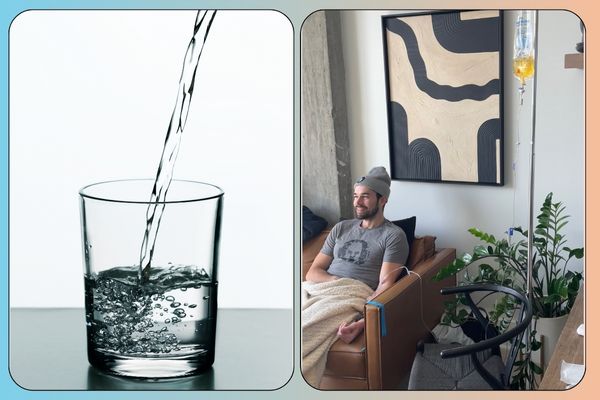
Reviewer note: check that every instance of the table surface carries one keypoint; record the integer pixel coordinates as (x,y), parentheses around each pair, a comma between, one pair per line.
(570,348)
(254,351)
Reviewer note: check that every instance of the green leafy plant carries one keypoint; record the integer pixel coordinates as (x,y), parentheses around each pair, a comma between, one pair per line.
(504,262)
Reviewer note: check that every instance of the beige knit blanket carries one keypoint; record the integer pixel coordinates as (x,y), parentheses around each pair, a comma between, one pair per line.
(325,306)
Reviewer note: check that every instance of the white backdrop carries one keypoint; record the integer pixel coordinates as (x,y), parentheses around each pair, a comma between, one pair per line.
(91,94)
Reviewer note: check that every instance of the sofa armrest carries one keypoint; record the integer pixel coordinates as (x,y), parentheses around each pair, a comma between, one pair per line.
(390,357)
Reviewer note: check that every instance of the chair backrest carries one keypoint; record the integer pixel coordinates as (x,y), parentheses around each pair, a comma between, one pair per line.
(515,334)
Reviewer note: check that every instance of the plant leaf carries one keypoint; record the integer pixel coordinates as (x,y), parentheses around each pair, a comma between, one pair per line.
(536,368)
(577,253)
(451,269)
(482,236)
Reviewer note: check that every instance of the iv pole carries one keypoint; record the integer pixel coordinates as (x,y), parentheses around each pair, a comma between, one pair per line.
(531,226)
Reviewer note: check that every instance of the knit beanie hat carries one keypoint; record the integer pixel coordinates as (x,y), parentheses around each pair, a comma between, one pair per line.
(377,180)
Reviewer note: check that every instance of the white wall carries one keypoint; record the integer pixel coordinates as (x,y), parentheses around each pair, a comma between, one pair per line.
(448,210)
(91,94)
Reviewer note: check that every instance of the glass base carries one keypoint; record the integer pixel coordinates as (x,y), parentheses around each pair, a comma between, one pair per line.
(151,367)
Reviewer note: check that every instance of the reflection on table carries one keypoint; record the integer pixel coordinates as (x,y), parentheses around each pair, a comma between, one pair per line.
(97,380)
(254,351)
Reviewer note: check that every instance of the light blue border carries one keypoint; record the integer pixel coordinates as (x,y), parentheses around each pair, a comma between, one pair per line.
(6,385)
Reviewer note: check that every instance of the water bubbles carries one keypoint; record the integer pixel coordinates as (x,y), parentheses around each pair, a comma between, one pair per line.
(179,312)
(122,316)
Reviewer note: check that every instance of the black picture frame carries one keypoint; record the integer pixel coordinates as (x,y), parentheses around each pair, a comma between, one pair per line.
(444,94)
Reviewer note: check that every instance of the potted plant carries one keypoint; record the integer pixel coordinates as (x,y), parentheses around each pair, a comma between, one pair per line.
(555,287)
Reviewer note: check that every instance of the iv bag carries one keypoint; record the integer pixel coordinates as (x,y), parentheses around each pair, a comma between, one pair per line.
(523,59)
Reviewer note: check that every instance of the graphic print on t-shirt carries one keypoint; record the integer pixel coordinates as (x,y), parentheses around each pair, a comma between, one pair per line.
(355,251)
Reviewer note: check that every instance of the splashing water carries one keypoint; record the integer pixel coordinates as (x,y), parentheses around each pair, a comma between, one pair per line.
(177,123)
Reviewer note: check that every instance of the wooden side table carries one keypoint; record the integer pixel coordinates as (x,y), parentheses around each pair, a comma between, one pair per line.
(570,348)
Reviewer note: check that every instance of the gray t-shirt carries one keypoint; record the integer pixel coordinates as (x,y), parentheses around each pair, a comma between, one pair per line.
(358,253)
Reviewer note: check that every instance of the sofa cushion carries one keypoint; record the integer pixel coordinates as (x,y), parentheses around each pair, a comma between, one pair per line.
(312,224)
(347,359)
(408,226)
(422,248)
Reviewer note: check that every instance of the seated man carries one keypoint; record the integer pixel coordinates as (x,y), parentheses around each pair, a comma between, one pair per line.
(369,249)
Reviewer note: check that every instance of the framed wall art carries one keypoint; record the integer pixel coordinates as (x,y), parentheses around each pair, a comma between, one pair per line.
(444,96)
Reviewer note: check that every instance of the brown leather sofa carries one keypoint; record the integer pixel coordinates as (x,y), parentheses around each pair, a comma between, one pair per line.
(373,361)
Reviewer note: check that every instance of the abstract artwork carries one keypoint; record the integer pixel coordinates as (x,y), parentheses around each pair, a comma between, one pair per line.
(444,96)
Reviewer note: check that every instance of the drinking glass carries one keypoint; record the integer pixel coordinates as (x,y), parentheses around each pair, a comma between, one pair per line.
(158,321)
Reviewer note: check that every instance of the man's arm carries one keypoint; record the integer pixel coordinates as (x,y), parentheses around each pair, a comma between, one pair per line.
(318,270)
(387,277)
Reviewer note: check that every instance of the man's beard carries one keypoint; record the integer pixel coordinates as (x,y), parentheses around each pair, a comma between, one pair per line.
(367,213)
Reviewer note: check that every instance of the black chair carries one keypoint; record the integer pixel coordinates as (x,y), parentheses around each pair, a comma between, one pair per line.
(476,366)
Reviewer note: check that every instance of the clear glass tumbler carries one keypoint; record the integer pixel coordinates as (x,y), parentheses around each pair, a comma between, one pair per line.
(160,322)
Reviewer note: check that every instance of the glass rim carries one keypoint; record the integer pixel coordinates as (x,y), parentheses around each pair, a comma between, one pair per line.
(112,200)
